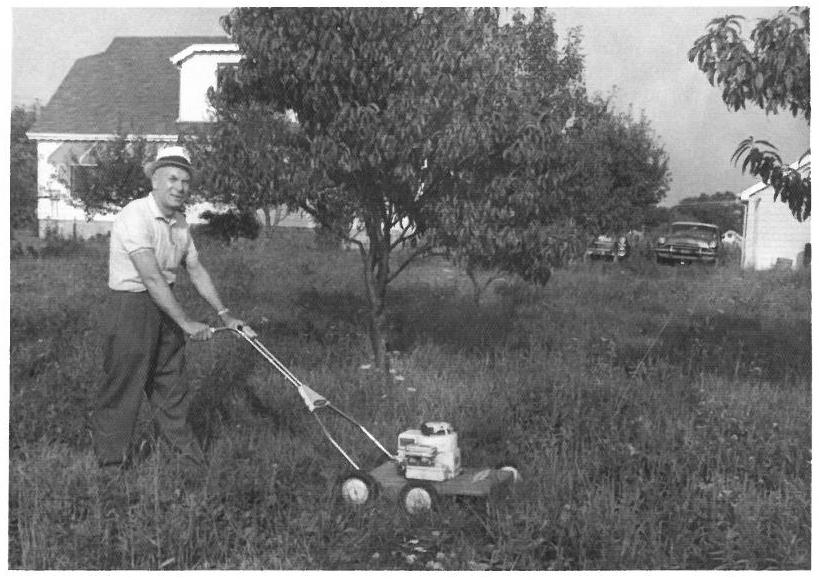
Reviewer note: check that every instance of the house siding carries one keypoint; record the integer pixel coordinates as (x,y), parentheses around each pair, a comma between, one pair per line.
(772,233)
(198,74)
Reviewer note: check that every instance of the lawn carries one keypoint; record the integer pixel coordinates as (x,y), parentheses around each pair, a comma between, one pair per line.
(660,417)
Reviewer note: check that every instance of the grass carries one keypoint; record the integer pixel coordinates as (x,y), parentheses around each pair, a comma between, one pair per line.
(660,417)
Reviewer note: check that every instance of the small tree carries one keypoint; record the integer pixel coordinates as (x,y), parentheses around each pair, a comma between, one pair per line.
(251,158)
(402,112)
(772,72)
(117,176)
(23,168)
(599,172)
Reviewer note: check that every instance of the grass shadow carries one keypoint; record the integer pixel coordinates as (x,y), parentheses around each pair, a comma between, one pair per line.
(734,347)
(416,315)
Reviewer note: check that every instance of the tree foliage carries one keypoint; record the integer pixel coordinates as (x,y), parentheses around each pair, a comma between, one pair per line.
(619,168)
(772,71)
(250,158)
(23,169)
(571,169)
(118,175)
(230,225)
(722,208)
(432,129)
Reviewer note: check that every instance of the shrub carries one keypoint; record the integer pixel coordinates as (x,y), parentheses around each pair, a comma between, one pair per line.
(231,225)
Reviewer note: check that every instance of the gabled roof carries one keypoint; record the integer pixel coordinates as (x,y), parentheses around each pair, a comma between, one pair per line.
(132,87)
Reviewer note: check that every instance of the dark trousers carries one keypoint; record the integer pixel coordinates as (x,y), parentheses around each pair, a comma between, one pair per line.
(143,352)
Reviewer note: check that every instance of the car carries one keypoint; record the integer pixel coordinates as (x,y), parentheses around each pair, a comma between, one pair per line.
(605,247)
(688,242)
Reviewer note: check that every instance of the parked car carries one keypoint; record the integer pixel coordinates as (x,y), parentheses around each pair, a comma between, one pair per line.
(731,238)
(611,248)
(689,242)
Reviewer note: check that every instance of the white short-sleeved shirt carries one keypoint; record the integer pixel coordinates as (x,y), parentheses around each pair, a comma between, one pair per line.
(139,226)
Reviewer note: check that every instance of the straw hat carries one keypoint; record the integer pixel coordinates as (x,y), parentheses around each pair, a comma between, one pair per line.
(174,156)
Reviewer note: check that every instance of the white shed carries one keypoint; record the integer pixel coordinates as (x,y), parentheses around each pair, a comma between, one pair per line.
(773,237)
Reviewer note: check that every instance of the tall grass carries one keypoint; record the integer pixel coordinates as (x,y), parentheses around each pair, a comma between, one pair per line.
(660,417)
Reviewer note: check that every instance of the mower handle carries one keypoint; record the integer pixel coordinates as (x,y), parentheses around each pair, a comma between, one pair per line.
(216,329)
(312,399)
(240,330)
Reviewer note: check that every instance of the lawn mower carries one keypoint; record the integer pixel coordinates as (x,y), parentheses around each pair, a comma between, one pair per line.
(426,465)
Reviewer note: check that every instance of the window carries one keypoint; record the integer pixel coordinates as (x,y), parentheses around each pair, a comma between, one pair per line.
(225,70)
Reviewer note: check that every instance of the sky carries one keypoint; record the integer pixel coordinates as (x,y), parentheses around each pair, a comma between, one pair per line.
(638,54)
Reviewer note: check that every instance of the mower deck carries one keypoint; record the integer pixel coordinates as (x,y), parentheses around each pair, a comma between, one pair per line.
(473,481)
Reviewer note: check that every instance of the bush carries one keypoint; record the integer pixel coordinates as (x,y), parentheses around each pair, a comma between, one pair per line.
(231,225)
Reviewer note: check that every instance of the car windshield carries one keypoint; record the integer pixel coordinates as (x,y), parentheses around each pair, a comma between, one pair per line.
(696,230)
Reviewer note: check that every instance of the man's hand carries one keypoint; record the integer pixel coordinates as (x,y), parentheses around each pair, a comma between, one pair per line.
(237,324)
(198,331)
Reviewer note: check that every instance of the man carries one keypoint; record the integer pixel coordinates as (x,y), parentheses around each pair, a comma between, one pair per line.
(145,327)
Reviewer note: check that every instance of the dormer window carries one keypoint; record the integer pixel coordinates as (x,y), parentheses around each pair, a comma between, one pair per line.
(226,70)
(200,67)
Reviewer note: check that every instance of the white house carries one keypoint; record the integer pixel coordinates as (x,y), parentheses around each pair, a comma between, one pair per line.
(773,237)
(152,87)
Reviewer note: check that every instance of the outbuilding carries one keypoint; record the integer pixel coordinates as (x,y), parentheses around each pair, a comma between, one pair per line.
(774,238)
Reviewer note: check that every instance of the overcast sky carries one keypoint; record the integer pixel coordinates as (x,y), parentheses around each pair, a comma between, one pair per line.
(640,51)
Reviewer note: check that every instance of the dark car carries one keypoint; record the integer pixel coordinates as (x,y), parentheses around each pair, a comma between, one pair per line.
(688,242)
(611,248)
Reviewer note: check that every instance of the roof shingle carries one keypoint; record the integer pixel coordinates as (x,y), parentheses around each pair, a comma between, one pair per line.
(132,87)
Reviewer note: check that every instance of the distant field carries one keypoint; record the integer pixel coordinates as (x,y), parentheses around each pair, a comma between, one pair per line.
(659,415)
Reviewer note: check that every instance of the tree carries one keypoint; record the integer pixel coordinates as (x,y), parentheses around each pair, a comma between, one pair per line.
(618,170)
(23,168)
(504,219)
(722,208)
(773,73)
(657,216)
(433,129)
(401,111)
(598,172)
(116,175)
(249,158)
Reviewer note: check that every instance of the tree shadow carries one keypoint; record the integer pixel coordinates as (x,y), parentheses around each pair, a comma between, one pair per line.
(415,315)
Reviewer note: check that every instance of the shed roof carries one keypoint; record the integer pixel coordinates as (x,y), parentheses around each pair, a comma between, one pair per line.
(132,87)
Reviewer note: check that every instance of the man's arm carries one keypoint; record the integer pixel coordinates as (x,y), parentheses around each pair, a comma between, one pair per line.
(144,261)
(204,285)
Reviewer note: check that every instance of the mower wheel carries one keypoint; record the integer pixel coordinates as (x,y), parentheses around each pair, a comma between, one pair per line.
(417,497)
(357,488)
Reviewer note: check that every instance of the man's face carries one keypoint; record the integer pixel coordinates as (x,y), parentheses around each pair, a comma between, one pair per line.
(170,189)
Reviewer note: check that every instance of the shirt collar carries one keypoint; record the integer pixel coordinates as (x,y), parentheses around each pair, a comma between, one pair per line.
(158,214)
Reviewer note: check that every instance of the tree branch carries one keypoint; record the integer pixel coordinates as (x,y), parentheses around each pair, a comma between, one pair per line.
(423,251)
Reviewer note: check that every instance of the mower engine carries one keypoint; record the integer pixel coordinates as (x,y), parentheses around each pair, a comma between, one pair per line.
(430,453)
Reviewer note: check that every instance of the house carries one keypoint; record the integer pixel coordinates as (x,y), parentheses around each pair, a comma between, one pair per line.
(773,237)
(154,87)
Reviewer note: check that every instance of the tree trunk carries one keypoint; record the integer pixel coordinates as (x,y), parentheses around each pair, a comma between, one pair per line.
(267,224)
(376,275)
(477,291)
